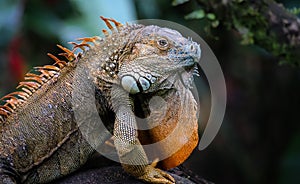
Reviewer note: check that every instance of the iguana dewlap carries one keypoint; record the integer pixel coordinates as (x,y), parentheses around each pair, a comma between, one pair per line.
(42,123)
(179,127)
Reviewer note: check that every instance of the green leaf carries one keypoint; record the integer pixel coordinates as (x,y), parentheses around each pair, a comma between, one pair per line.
(211,16)
(197,14)
(294,10)
(215,23)
(178,2)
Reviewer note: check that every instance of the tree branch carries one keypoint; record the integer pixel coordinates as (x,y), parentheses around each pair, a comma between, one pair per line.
(264,23)
(115,174)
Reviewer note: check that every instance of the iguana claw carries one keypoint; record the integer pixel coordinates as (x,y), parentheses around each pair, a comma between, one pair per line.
(155,175)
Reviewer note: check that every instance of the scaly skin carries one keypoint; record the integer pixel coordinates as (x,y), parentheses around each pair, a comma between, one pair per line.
(40,137)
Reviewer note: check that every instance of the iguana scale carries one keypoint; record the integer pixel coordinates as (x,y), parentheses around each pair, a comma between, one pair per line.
(40,138)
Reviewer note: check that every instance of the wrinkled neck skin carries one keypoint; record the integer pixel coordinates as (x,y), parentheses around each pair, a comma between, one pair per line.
(106,57)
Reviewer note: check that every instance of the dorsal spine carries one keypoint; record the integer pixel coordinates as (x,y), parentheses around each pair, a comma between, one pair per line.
(36,78)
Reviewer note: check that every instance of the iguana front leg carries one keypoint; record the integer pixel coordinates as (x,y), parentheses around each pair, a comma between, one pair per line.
(130,151)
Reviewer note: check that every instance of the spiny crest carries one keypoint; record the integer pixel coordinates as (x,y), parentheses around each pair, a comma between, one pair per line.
(35,79)
(107,22)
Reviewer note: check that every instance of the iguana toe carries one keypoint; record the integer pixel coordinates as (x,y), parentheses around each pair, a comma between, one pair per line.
(154,175)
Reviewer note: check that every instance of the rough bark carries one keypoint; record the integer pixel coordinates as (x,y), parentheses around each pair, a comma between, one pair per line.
(116,175)
(100,170)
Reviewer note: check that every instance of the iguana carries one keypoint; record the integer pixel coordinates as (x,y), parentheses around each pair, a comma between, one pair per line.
(40,138)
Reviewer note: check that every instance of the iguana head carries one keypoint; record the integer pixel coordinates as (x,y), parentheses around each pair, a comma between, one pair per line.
(158,57)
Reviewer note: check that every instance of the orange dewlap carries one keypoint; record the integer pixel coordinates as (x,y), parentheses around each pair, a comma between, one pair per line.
(179,126)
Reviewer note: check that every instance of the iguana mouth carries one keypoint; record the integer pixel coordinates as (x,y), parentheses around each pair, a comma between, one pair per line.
(189,63)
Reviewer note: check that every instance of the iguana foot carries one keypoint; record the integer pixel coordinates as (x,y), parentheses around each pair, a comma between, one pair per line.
(155,175)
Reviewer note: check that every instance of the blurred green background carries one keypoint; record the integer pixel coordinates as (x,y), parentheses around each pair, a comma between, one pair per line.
(259,141)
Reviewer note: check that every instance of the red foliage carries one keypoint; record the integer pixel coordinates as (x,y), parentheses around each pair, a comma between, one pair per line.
(16,62)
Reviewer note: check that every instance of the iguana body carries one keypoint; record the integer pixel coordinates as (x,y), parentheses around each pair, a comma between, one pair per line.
(40,138)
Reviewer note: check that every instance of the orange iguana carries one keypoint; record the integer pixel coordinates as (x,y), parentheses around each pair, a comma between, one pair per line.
(41,138)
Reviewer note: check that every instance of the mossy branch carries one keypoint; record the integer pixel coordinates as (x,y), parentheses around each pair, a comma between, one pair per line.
(264,23)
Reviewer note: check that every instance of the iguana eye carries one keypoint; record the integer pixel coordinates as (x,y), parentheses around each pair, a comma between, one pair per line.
(162,43)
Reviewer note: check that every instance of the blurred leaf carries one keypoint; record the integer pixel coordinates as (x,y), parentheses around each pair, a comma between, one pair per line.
(197,14)
(178,2)
(211,16)
(215,23)
(9,20)
(294,10)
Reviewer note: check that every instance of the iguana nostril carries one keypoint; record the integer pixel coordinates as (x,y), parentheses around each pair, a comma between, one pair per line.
(192,48)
